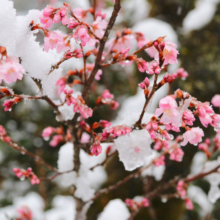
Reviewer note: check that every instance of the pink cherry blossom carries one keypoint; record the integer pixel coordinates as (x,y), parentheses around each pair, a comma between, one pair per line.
(161,144)
(46,21)
(24,213)
(80,13)
(145,83)
(98,26)
(57,139)
(152,127)
(69,98)
(142,65)
(11,70)
(47,132)
(48,11)
(153,68)
(72,23)
(85,137)
(116,131)
(83,109)
(21,173)
(193,136)
(181,189)
(204,111)
(188,117)
(176,154)
(54,40)
(159,161)
(189,204)
(107,95)
(168,107)
(169,53)
(145,202)
(96,148)
(215,121)
(181,73)
(216,101)
(61,15)
(61,83)
(81,35)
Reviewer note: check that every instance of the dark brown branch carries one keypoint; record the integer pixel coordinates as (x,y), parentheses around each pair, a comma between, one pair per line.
(97,66)
(154,89)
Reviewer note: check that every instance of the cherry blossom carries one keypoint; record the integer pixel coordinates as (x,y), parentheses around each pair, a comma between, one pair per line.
(168,107)
(81,35)
(96,148)
(169,52)
(9,103)
(11,70)
(20,173)
(47,132)
(181,189)
(193,136)
(159,161)
(189,204)
(61,15)
(204,111)
(24,213)
(145,83)
(54,40)
(83,109)
(142,65)
(176,154)
(216,101)
(57,139)
(116,131)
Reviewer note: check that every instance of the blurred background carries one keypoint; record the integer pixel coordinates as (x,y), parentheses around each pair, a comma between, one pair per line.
(194,25)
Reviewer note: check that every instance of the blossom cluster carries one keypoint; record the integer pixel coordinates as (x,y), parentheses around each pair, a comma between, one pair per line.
(22,174)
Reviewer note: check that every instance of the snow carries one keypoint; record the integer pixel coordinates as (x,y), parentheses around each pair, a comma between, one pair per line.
(200,16)
(116,209)
(156,172)
(134,148)
(196,194)
(88,180)
(32,200)
(153,28)
(7,26)
(63,209)
(197,163)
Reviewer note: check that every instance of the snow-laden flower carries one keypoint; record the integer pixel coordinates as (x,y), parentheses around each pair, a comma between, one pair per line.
(24,213)
(11,70)
(193,136)
(216,101)
(134,149)
(168,107)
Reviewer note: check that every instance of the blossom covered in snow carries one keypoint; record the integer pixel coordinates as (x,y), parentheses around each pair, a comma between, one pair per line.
(134,148)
